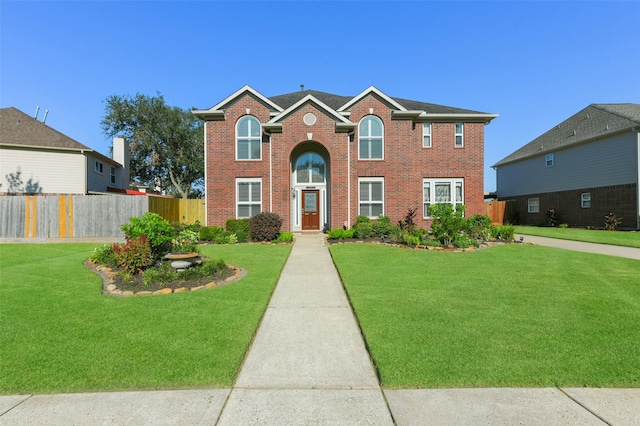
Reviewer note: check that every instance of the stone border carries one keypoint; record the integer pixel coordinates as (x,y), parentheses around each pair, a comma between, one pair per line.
(108,287)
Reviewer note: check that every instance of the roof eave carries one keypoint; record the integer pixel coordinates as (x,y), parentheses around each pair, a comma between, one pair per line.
(424,116)
(207,114)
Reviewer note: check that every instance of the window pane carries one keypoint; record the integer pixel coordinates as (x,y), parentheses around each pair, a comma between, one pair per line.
(318,173)
(254,126)
(365,209)
(376,148)
(243,191)
(243,149)
(425,212)
(376,210)
(364,191)
(255,192)
(255,150)
(376,126)
(427,141)
(243,127)
(376,191)
(458,192)
(443,192)
(244,210)
(364,148)
(458,127)
(459,140)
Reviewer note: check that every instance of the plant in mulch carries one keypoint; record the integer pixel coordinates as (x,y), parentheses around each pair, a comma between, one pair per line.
(133,256)
(185,242)
(265,226)
(157,230)
(612,221)
(448,224)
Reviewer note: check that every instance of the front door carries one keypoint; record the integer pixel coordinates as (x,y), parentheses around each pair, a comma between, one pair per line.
(310,210)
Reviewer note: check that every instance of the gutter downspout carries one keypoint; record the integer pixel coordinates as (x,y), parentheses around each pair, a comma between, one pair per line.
(637,130)
(206,198)
(348,181)
(271,174)
(86,175)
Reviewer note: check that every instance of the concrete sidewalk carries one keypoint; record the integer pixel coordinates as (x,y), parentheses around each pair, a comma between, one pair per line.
(308,365)
(607,249)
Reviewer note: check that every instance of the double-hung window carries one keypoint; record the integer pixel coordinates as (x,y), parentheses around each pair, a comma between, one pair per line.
(548,159)
(99,167)
(426,135)
(445,190)
(248,138)
(459,135)
(533,205)
(585,200)
(248,197)
(371,138)
(371,196)
(112,172)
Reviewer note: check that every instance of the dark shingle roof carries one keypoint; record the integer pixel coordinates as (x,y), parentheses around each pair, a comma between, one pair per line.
(18,128)
(337,101)
(595,121)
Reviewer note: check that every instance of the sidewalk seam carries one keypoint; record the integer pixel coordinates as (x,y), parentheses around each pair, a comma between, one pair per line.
(584,406)
(17,405)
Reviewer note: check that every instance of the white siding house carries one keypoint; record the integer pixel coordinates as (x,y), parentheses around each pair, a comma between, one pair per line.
(50,162)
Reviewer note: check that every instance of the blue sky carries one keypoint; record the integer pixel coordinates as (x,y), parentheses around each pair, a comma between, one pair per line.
(534,63)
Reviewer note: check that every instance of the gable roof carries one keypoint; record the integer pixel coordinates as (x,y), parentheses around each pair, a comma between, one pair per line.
(341,122)
(595,121)
(20,129)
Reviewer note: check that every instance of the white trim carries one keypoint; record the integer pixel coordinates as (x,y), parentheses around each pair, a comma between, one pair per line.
(206,177)
(372,89)
(371,180)
(461,134)
(529,205)
(430,134)
(348,181)
(237,93)
(270,174)
(547,157)
(313,99)
(453,184)
(237,201)
(584,198)
(444,117)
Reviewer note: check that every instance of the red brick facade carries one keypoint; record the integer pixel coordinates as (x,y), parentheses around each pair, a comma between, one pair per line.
(404,165)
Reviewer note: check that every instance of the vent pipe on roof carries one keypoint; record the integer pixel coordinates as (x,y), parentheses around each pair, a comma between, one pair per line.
(46,111)
(37,109)
(302,87)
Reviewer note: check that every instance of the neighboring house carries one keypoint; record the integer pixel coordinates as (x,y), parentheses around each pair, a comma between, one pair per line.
(584,168)
(50,162)
(318,160)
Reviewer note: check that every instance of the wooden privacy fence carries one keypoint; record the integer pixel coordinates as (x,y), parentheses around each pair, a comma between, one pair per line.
(78,216)
(499,211)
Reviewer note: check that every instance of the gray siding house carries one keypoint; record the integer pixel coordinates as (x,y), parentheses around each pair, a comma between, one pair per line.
(584,168)
(50,162)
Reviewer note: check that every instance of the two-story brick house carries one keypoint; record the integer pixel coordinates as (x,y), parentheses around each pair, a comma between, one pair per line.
(319,160)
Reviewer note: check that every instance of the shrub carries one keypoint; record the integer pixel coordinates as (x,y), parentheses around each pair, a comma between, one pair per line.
(462,241)
(105,255)
(210,233)
(226,237)
(552,217)
(563,225)
(447,223)
(182,226)
(503,232)
(362,219)
(340,234)
(409,239)
(479,227)
(241,236)
(382,226)
(234,225)
(185,242)
(362,230)
(612,221)
(157,230)
(133,256)
(429,242)
(407,224)
(265,226)
(285,237)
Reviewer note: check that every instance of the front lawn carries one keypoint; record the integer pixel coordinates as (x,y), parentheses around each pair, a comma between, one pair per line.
(58,333)
(616,238)
(512,315)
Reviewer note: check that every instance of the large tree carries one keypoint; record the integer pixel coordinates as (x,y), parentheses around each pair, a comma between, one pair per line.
(165,143)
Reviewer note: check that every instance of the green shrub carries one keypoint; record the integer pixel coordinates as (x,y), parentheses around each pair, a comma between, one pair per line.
(226,237)
(182,226)
(158,231)
(210,233)
(362,219)
(105,255)
(410,240)
(503,232)
(285,237)
(447,223)
(462,241)
(479,227)
(382,226)
(186,241)
(234,225)
(362,230)
(340,234)
(429,242)
(265,226)
(241,236)
(563,225)
(133,256)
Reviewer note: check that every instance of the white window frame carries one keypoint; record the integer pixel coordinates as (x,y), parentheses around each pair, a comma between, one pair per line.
(430,183)
(98,167)
(427,130)
(251,202)
(369,136)
(549,160)
(370,202)
(460,135)
(533,205)
(251,139)
(112,174)
(585,200)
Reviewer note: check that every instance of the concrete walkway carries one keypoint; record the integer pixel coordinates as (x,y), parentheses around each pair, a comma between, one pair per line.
(619,251)
(309,365)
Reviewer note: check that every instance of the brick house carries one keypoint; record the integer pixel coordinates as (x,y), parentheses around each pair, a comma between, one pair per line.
(585,167)
(318,160)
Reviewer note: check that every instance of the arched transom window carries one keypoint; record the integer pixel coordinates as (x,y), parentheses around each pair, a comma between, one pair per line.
(310,168)
(371,138)
(248,139)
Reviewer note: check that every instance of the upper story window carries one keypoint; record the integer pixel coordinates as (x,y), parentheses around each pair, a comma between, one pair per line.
(310,168)
(248,139)
(459,135)
(371,139)
(548,159)
(112,172)
(426,135)
(99,167)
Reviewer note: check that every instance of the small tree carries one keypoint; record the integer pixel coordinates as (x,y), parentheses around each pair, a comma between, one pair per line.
(448,224)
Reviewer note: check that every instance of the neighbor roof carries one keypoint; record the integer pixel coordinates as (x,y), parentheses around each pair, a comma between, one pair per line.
(21,129)
(595,121)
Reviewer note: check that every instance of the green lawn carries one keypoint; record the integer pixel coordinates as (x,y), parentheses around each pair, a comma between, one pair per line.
(58,333)
(616,238)
(512,315)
